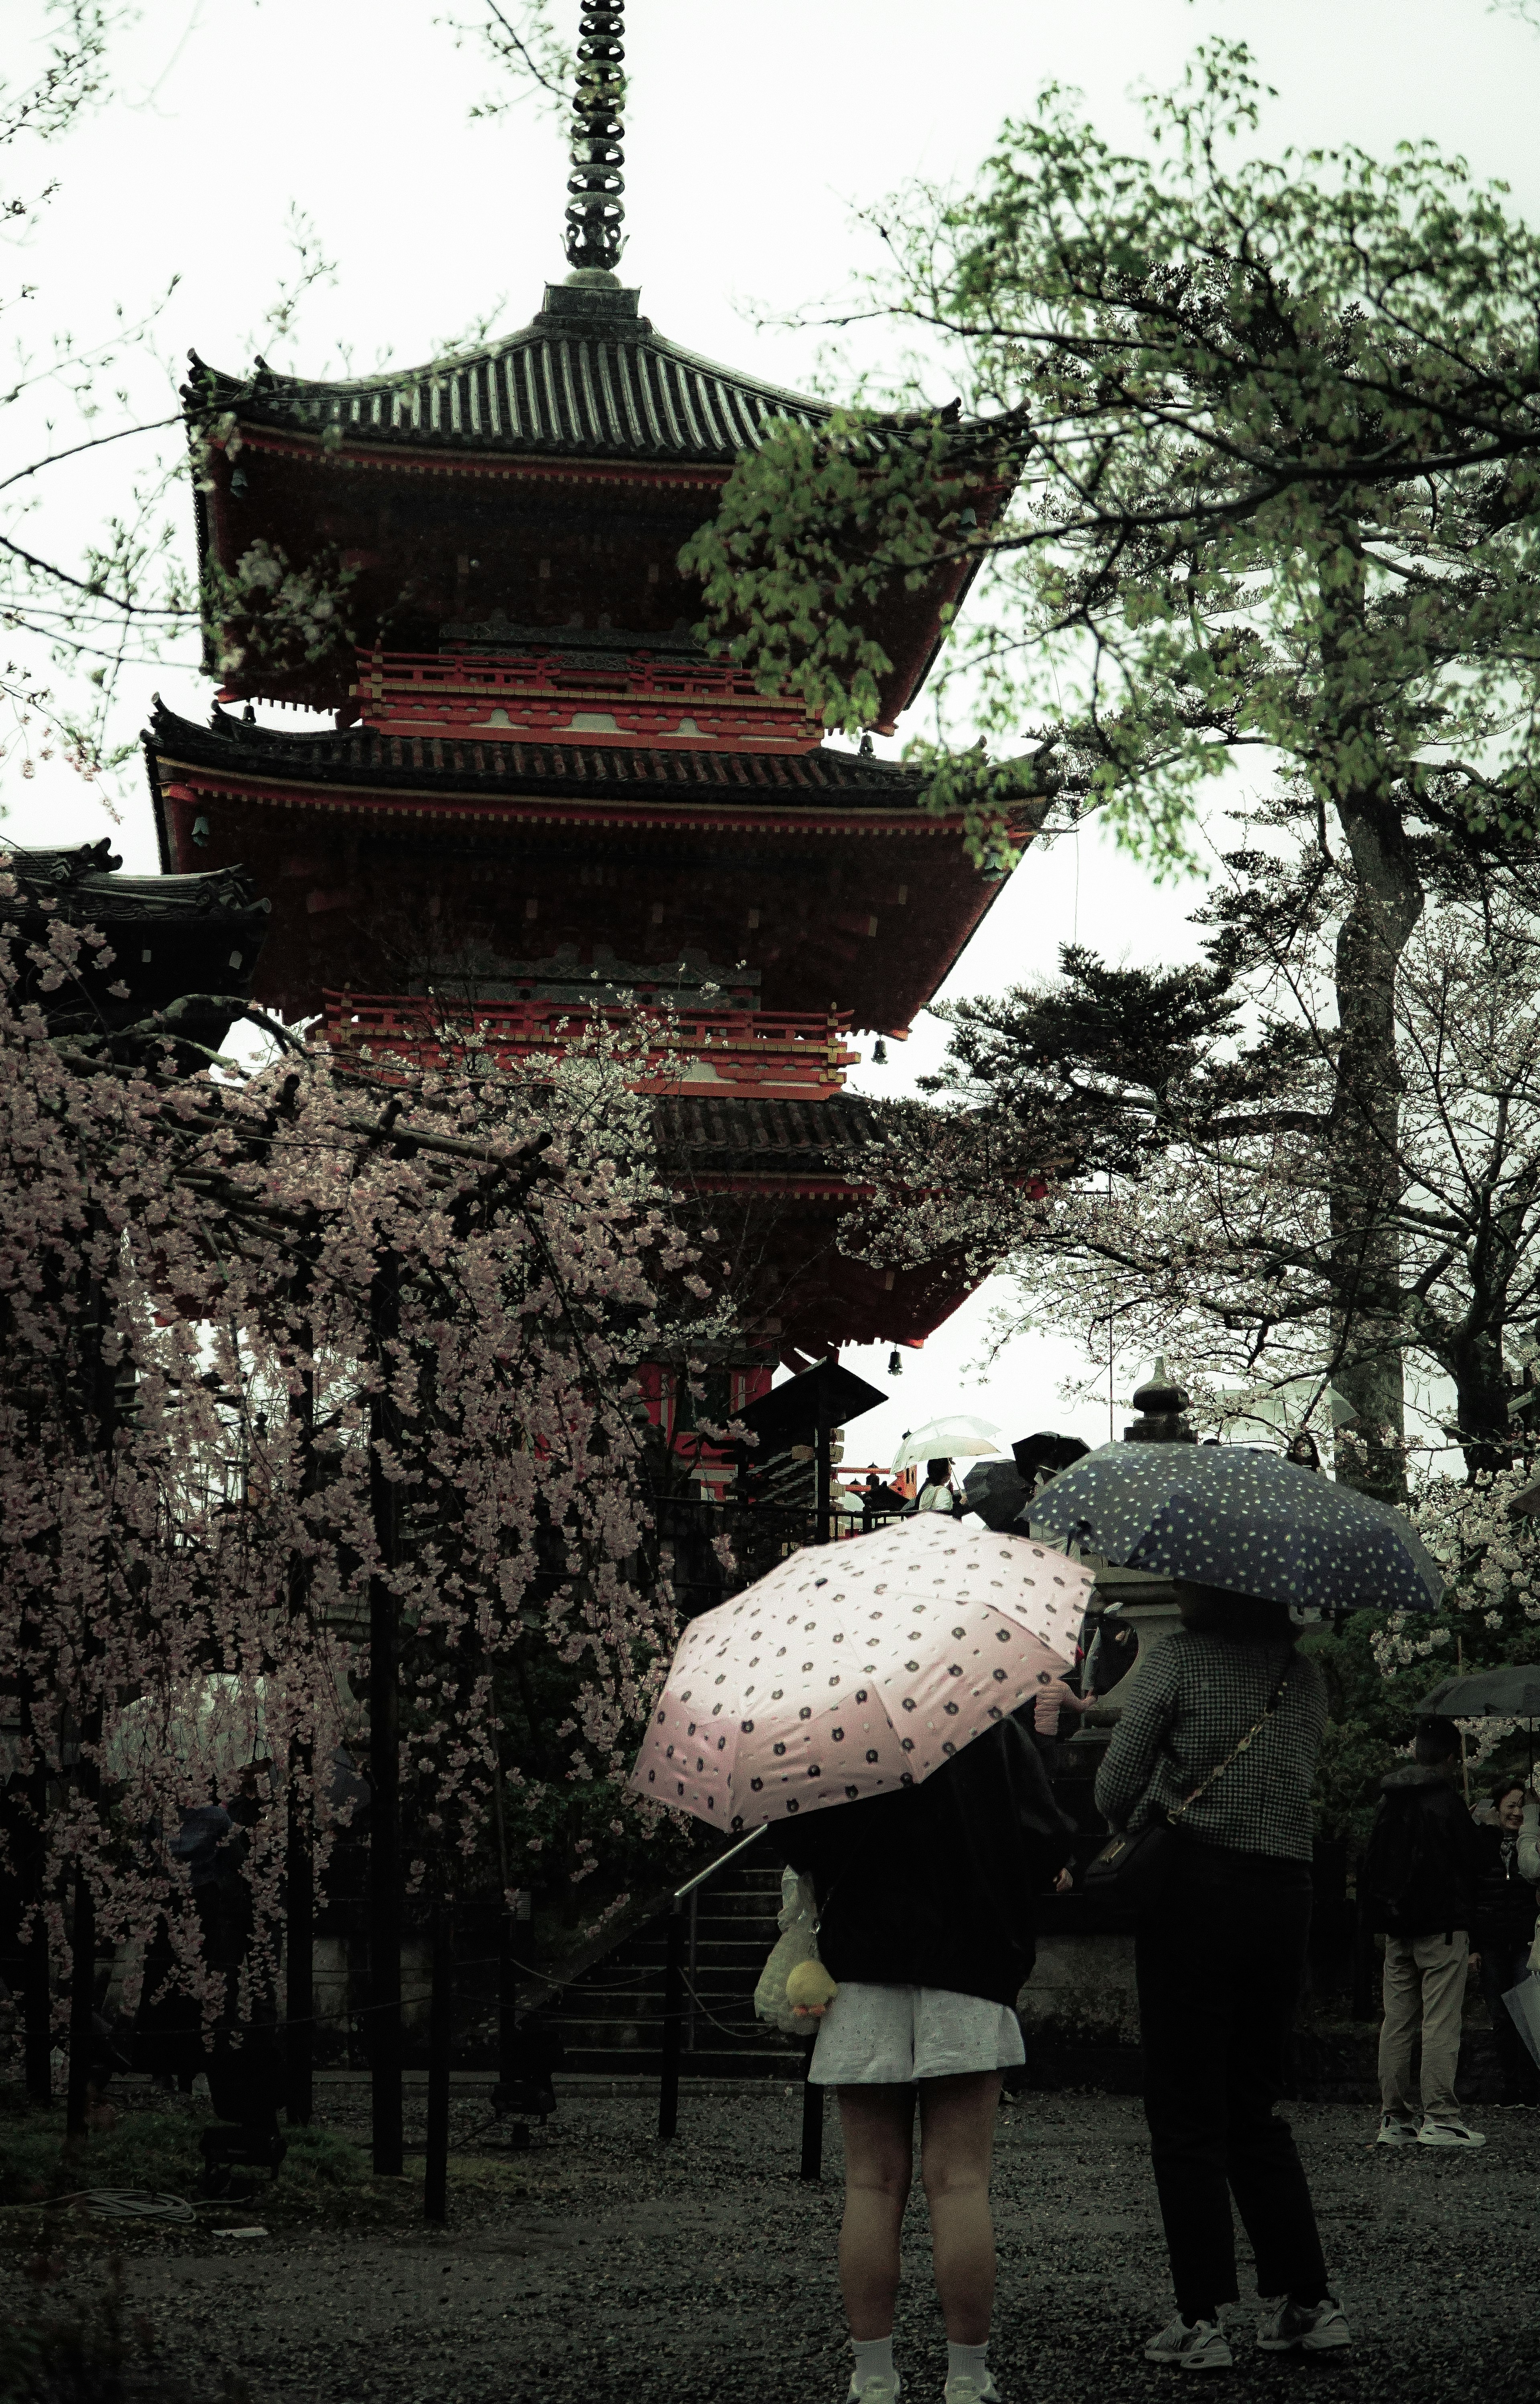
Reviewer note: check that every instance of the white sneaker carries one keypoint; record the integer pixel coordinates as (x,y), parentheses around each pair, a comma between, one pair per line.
(1316,2328)
(1394,2130)
(1195,2345)
(879,2390)
(964,2389)
(1449,2133)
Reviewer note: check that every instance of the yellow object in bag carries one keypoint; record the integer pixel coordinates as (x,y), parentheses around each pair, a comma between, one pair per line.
(810,1991)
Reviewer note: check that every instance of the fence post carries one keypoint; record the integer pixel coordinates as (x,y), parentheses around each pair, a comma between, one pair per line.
(436,2183)
(507,1998)
(385,1704)
(673,2012)
(813,2123)
(694,1985)
(299,1946)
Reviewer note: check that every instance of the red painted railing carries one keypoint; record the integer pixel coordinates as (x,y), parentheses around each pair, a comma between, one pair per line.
(542,697)
(789,1054)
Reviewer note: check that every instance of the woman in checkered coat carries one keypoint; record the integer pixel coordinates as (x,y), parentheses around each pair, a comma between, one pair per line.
(1220,1958)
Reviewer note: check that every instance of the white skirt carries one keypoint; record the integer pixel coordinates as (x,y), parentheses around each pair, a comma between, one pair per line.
(889,2037)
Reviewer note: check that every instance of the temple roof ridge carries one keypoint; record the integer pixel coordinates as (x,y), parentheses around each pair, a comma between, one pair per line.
(588,373)
(359,755)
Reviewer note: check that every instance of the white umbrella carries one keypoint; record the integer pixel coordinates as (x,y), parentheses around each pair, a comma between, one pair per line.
(211,1717)
(1280,1405)
(960,1436)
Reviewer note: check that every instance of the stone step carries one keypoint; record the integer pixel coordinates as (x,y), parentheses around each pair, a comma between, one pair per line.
(611,2019)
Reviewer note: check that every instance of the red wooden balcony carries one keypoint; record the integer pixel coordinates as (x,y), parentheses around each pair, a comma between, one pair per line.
(548,697)
(794,1054)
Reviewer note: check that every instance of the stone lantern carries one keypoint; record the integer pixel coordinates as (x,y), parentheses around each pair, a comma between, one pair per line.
(1162,1406)
(1144,1602)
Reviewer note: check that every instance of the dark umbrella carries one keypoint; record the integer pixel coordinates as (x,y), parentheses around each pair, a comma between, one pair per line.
(1248,1521)
(1510,1692)
(997,1491)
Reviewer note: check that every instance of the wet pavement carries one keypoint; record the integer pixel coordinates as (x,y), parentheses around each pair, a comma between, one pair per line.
(601,2268)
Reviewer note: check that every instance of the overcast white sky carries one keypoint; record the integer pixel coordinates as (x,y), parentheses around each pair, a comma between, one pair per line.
(753,136)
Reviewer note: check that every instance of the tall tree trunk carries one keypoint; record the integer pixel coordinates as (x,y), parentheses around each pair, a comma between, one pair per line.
(1368,1331)
(1483,1399)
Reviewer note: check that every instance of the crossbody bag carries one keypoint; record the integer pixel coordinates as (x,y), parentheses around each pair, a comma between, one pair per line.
(1132,1869)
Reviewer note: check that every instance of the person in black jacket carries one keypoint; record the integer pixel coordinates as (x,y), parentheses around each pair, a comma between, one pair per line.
(1418,1883)
(1220,1732)
(1503,1933)
(926,1904)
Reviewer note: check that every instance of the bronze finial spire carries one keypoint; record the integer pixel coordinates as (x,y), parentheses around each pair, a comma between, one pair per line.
(595,209)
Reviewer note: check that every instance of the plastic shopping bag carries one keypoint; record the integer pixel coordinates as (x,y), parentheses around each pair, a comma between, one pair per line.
(797,1942)
(1523,2003)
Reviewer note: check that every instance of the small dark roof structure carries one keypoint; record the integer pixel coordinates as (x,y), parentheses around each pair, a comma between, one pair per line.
(168,937)
(825,1395)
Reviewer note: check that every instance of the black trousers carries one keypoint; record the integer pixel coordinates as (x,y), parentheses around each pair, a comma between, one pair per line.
(1502,1966)
(1220,1960)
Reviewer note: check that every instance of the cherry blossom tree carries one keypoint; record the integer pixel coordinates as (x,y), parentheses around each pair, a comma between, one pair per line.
(318,1382)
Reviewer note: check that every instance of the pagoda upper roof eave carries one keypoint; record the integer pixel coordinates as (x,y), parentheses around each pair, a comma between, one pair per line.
(516,813)
(824,794)
(595,381)
(588,381)
(657,473)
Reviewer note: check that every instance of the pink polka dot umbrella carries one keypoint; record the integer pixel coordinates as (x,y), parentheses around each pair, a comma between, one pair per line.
(855,1668)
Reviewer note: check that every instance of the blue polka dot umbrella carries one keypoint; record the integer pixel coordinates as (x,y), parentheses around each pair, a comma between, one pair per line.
(1248,1521)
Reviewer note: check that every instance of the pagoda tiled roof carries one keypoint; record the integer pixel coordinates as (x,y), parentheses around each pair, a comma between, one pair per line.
(587,377)
(362,757)
(825,1137)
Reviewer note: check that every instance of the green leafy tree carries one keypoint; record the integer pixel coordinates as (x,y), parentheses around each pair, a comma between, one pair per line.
(1190,1112)
(1248,471)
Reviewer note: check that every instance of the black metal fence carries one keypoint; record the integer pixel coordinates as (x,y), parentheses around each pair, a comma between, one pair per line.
(716,1549)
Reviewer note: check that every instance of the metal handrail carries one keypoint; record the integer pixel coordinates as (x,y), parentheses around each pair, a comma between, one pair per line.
(719,1863)
(675,1980)
(674,1985)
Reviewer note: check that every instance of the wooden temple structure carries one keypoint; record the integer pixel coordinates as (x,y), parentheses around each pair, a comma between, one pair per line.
(539,790)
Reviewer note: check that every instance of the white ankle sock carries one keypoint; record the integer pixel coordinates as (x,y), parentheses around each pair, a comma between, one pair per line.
(873,2359)
(968,2362)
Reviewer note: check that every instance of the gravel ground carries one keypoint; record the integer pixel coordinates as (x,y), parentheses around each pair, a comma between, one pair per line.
(600,2268)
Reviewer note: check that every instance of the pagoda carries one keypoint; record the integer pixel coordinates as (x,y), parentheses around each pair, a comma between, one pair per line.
(540,791)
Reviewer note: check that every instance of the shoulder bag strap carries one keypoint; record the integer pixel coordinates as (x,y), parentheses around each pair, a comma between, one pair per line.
(1254,1730)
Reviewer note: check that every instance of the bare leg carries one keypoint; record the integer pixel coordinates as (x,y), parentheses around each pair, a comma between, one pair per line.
(878,2130)
(956,2140)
